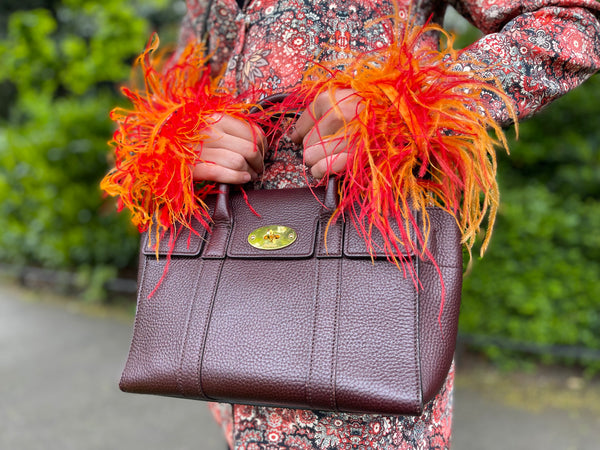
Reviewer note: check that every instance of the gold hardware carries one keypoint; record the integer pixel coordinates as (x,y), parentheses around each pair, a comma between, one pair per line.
(272,237)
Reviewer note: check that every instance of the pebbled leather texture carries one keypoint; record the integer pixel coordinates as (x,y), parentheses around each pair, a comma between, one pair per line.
(307,326)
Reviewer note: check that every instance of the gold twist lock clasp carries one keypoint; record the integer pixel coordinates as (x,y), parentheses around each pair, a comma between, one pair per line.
(272,237)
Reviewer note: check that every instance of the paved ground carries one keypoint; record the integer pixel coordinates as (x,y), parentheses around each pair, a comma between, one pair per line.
(60,363)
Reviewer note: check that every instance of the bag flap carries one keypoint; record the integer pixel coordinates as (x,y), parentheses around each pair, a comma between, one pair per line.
(443,243)
(187,242)
(295,209)
(355,245)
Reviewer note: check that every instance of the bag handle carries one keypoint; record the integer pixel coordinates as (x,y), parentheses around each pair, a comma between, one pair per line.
(222,212)
(222,216)
(328,245)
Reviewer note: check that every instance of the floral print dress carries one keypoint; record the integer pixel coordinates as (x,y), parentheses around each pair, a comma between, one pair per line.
(537,49)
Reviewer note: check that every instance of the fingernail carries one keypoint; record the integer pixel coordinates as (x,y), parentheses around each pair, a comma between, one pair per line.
(292,133)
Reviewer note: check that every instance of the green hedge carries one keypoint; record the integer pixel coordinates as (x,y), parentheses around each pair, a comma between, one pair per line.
(539,281)
(60,73)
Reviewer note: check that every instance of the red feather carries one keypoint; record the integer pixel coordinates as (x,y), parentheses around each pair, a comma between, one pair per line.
(159,140)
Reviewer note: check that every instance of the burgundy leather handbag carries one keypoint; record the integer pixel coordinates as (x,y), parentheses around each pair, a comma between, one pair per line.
(259,311)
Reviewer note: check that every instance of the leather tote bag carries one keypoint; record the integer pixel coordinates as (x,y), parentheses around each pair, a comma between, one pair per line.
(260,310)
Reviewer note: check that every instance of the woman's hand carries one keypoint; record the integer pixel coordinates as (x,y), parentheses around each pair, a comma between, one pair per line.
(318,125)
(232,153)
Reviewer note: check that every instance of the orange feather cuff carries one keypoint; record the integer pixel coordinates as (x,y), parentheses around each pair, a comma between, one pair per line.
(420,137)
(159,140)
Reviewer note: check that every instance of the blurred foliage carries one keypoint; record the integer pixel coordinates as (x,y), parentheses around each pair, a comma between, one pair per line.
(539,282)
(62,62)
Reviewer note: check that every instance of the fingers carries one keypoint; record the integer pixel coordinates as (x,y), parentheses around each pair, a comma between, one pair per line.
(312,120)
(333,164)
(231,153)
(223,166)
(320,129)
(327,126)
(235,127)
(303,125)
(226,158)
(233,150)
(323,149)
(211,172)
(327,157)
(328,113)
(235,147)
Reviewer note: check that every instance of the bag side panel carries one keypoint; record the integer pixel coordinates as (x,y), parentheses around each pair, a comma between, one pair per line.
(438,331)
(155,353)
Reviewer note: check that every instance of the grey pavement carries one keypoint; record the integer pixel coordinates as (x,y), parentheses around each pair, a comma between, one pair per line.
(60,363)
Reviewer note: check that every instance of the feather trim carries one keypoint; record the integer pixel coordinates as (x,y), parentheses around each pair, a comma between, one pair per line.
(159,140)
(420,137)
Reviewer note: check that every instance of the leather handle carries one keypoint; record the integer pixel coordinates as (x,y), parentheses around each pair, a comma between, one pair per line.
(222,213)
(216,245)
(223,221)
(331,194)
(268,102)
(330,244)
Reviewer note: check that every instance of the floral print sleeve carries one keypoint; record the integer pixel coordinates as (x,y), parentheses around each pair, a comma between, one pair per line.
(537,49)
(212,22)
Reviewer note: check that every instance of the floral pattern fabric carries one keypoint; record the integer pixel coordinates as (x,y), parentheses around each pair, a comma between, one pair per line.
(537,49)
